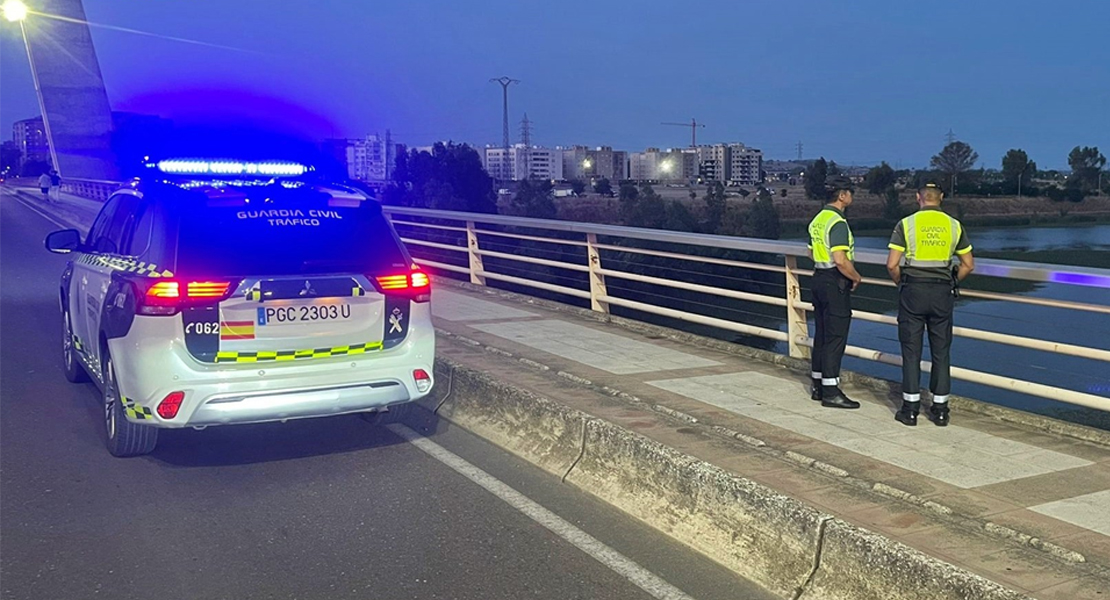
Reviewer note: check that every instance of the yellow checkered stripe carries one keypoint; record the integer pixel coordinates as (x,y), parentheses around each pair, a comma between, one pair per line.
(135,410)
(126,265)
(285,355)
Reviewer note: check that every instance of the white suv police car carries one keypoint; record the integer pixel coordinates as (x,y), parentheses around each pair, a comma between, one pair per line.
(221,292)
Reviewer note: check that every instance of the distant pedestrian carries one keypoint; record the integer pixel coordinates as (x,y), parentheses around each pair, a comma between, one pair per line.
(55,185)
(832,248)
(44,185)
(920,262)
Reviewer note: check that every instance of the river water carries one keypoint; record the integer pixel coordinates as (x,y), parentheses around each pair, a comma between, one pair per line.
(1076,245)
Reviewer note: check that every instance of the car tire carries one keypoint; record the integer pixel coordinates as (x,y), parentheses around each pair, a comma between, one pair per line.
(124,438)
(398,413)
(71,363)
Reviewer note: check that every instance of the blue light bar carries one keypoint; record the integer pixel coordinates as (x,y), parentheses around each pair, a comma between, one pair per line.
(229,167)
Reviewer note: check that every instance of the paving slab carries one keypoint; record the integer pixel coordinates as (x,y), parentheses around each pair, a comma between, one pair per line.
(453,306)
(603,350)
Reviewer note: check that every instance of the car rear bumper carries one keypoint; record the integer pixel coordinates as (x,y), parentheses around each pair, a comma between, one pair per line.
(152,362)
(226,409)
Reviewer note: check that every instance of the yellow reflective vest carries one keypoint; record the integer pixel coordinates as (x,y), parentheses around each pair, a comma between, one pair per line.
(931,238)
(819,229)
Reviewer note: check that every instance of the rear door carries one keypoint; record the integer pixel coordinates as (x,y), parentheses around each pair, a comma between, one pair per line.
(307,279)
(88,270)
(110,257)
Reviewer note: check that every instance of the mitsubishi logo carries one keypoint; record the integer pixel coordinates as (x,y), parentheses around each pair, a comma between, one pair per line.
(307,291)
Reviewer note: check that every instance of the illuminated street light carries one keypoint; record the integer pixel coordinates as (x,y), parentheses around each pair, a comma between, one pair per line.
(666,166)
(14,10)
(586,164)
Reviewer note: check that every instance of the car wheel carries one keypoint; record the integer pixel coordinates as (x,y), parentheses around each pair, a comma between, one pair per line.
(398,413)
(71,363)
(124,438)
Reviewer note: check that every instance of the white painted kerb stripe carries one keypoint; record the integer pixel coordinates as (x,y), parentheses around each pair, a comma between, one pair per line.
(622,565)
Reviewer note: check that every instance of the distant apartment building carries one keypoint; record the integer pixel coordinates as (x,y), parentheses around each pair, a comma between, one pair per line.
(521,162)
(745,165)
(29,136)
(546,163)
(665,166)
(713,162)
(575,163)
(734,164)
(581,162)
(368,159)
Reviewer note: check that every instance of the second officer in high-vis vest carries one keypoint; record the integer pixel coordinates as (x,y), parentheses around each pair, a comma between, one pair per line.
(920,262)
(832,248)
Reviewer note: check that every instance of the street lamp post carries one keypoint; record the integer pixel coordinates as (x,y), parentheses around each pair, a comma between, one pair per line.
(16,11)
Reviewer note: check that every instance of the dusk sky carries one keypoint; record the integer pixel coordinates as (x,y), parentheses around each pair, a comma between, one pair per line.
(856,82)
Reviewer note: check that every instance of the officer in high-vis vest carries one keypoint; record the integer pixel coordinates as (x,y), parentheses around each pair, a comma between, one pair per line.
(832,249)
(920,262)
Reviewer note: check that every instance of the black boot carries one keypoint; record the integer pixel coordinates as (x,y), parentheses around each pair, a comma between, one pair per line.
(815,389)
(939,413)
(907,415)
(833,397)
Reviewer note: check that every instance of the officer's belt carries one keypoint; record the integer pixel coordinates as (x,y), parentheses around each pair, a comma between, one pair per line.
(936,280)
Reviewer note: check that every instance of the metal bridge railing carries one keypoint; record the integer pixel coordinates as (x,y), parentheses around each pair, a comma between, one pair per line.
(94,189)
(463,242)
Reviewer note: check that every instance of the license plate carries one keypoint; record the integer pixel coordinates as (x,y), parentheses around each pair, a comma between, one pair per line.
(310,313)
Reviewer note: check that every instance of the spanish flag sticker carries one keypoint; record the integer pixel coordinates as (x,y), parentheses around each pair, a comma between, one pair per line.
(237,330)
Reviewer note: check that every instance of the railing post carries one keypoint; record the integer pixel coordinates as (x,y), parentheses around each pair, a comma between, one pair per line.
(796,326)
(597,279)
(475,258)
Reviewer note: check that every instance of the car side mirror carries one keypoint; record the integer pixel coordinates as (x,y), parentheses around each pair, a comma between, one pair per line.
(64,241)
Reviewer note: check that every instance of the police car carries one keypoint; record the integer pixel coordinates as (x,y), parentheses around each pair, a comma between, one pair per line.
(224,292)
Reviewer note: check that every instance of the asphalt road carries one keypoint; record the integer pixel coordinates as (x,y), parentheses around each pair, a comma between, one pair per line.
(324,508)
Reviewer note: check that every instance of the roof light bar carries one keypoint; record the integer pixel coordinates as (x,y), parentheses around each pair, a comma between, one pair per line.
(230,167)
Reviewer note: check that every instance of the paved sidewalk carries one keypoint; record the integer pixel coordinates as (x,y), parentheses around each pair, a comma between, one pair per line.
(1023,507)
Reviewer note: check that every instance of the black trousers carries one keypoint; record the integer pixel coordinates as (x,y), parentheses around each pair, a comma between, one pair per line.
(832,304)
(926,305)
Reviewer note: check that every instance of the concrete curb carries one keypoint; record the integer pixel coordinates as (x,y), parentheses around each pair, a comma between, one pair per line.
(1024,420)
(780,543)
(856,563)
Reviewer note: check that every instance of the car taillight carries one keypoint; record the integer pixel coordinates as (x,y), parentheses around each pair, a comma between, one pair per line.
(206,289)
(167,296)
(394,282)
(423,380)
(168,407)
(416,285)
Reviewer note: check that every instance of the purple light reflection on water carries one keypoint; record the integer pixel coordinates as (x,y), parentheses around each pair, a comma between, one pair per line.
(1101,281)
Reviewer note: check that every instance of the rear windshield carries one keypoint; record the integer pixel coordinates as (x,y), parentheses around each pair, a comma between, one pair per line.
(287,238)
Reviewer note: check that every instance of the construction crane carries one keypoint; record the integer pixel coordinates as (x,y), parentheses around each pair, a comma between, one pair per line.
(693,125)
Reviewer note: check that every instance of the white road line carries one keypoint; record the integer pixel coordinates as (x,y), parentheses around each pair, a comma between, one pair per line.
(622,565)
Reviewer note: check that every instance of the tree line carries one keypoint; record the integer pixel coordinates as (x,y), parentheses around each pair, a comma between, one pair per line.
(953,170)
